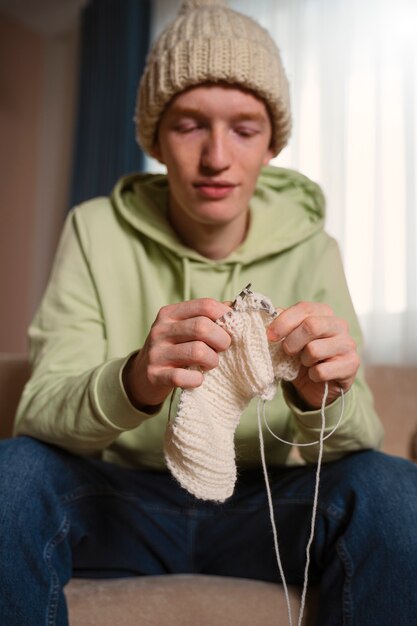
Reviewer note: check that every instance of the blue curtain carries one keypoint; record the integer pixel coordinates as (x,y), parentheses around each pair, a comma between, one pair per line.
(114,44)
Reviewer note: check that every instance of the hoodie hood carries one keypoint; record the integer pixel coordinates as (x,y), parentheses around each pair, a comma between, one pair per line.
(285,209)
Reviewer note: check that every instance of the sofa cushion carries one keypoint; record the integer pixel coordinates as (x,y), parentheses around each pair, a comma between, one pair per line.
(182,600)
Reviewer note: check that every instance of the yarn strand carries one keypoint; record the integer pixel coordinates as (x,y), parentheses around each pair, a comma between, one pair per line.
(315,503)
(271,512)
(320,442)
(310,443)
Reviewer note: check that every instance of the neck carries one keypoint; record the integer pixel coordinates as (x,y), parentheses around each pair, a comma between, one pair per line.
(214,242)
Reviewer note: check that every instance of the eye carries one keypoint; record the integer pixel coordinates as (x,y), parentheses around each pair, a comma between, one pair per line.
(246,131)
(186,126)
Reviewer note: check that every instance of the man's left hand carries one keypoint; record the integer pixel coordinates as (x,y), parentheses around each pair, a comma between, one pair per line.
(326,350)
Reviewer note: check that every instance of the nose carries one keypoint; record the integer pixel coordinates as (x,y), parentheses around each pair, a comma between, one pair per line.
(216,154)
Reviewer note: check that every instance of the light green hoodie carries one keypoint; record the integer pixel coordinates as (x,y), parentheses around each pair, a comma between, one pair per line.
(119,262)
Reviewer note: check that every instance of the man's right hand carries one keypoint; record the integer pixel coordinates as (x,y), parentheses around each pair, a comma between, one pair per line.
(183,341)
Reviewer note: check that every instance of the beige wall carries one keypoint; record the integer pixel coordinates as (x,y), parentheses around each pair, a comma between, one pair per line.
(37,95)
(21,65)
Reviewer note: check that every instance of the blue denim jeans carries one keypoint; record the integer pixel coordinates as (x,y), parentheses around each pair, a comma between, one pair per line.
(63,516)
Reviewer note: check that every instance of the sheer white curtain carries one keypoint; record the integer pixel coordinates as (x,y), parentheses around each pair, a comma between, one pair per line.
(352,66)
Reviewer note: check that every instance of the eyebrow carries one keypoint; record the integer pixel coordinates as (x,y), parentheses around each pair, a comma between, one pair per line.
(240,117)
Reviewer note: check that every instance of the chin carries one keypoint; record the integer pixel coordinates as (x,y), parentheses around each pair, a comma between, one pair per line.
(215,219)
(218,210)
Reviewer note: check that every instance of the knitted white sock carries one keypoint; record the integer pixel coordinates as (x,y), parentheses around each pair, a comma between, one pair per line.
(199,442)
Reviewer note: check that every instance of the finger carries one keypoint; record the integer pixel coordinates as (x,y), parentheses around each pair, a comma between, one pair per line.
(194,329)
(324,349)
(312,328)
(314,397)
(191,354)
(340,370)
(292,317)
(179,377)
(206,307)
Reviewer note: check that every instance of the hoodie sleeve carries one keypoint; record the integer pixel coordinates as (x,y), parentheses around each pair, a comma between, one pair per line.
(360,427)
(75,397)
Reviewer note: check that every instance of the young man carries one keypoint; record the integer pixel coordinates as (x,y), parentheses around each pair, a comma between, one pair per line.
(130,313)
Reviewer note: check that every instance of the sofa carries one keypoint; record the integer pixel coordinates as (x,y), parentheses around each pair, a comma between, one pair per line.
(189,600)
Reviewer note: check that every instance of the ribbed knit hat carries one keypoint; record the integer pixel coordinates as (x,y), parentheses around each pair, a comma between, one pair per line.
(210,43)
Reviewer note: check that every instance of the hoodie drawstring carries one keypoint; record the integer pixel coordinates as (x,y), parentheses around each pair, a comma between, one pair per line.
(186,270)
(235,281)
(233,285)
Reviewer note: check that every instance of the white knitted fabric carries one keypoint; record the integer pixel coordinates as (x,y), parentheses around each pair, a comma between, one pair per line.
(199,442)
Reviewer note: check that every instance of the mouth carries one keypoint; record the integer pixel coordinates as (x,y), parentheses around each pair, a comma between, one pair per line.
(214,189)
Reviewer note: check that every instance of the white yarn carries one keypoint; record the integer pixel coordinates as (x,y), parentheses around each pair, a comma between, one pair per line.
(271,517)
(310,443)
(320,442)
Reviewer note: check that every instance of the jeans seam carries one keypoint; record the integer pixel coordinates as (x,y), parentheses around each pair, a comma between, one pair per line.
(192,528)
(146,507)
(55,585)
(72,497)
(346,593)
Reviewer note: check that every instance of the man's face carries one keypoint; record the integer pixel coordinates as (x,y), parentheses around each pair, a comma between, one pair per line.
(213,140)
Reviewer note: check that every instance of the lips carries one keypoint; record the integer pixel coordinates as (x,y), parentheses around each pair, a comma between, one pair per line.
(214,190)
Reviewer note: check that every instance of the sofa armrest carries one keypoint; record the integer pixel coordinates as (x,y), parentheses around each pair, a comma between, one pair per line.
(14,372)
(395,393)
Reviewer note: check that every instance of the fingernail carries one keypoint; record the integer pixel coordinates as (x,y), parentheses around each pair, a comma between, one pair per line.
(272,335)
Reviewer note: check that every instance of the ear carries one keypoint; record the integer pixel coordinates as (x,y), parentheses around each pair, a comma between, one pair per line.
(156,152)
(268,156)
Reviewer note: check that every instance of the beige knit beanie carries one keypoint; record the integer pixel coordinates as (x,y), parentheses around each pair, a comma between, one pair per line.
(208,42)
